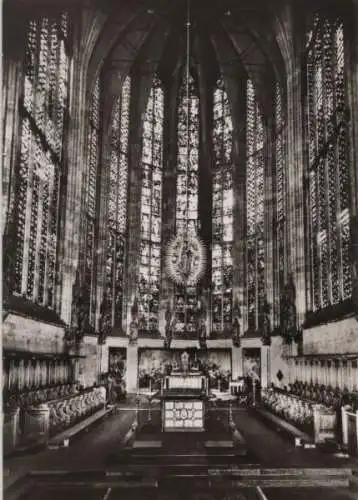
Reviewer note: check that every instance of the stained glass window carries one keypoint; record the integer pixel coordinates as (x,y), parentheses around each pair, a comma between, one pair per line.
(117,203)
(280,171)
(328,191)
(44,109)
(255,167)
(93,145)
(151,210)
(222,212)
(188,128)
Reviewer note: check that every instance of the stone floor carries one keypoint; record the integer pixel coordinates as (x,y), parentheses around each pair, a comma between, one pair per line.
(89,455)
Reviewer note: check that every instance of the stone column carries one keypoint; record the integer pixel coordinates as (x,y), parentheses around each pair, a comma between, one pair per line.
(237,362)
(235,85)
(132,369)
(13,54)
(138,100)
(205,193)
(350,375)
(86,30)
(269,217)
(265,366)
(290,39)
(345,370)
(239,209)
(351,61)
(169,188)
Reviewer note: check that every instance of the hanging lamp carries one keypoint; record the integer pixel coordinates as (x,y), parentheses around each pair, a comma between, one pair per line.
(186,254)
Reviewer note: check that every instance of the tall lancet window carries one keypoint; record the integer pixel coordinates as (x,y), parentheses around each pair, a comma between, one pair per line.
(328,168)
(91,180)
(117,204)
(40,170)
(222,225)
(151,210)
(255,167)
(188,128)
(280,177)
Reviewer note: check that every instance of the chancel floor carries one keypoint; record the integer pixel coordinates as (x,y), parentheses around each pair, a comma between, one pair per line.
(98,466)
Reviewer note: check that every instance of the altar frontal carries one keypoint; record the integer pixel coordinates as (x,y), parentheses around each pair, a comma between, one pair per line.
(183,396)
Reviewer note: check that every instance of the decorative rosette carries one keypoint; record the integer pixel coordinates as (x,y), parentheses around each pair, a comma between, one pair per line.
(185,259)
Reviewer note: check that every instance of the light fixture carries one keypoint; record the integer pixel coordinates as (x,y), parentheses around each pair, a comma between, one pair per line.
(186,254)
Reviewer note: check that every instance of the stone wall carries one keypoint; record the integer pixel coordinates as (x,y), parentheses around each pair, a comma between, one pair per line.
(278,362)
(25,334)
(340,337)
(88,366)
(273,360)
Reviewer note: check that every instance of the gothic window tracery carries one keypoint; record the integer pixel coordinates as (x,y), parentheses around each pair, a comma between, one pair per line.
(328,167)
(255,216)
(222,215)
(117,206)
(44,110)
(188,129)
(90,203)
(151,210)
(280,227)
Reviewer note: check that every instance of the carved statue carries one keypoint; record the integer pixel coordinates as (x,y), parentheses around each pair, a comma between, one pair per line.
(105,320)
(236,332)
(170,321)
(134,324)
(288,316)
(8,262)
(81,300)
(236,323)
(184,361)
(133,331)
(186,259)
(266,323)
(202,333)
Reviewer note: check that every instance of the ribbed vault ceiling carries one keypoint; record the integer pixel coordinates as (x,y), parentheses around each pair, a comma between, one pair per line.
(226,37)
(147,36)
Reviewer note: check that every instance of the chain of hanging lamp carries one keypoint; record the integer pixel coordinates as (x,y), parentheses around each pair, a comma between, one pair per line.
(188,25)
(184,247)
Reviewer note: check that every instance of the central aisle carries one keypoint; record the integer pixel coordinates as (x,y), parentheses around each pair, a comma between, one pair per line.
(94,451)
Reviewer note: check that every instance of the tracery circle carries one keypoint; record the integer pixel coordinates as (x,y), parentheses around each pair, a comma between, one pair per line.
(185,259)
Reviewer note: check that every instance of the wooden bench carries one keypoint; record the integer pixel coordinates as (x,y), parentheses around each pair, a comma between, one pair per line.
(64,438)
(281,425)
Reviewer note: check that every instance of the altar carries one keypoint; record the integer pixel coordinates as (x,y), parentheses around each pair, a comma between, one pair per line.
(192,381)
(183,398)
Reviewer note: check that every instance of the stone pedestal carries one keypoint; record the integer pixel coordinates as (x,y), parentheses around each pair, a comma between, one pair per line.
(10,430)
(36,425)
